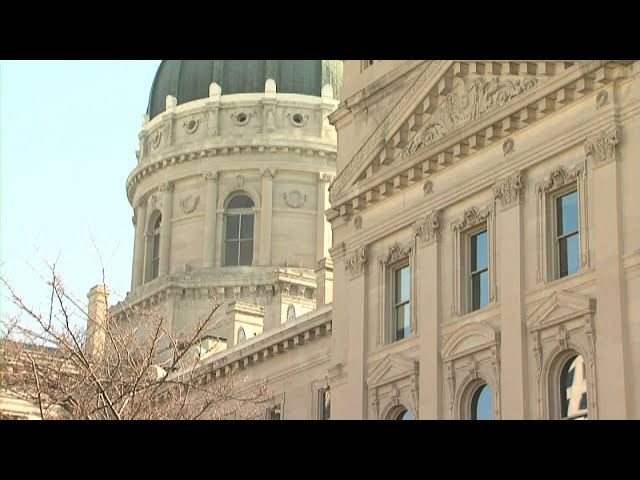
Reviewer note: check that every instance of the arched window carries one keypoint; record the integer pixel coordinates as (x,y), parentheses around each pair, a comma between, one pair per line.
(573,389)
(238,243)
(153,246)
(242,336)
(482,403)
(402,414)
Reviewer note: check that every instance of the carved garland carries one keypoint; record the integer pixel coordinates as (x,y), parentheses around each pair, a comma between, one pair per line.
(189,203)
(602,148)
(429,229)
(356,262)
(295,198)
(510,190)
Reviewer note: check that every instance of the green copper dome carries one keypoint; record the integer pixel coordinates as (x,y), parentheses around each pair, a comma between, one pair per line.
(189,80)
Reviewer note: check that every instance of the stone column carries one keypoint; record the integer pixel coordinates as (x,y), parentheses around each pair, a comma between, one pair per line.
(138,243)
(614,390)
(165,228)
(349,349)
(266,217)
(323,231)
(429,314)
(210,219)
(513,344)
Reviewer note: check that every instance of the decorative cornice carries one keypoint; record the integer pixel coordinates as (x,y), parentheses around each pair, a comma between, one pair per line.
(396,252)
(429,229)
(356,262)
(510,190)
(603,147)
(472,98)
(471,217)
(559,177)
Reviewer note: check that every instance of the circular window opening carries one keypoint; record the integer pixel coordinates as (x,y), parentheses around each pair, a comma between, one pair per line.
(297,119)
(191,125)
(242,117)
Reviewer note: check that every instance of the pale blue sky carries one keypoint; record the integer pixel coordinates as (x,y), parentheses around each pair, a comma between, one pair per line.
(68,135)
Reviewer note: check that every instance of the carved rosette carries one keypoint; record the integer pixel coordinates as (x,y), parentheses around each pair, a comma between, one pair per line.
(603,147)
(510,190)
(471,98)
(429,229)
(472,216)
(427,187)
(356,262)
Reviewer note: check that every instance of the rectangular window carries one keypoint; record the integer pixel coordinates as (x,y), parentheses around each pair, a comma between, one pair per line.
(400,325)
(567,246)
(239,240)
(479,270)
(274,413)
(324,404)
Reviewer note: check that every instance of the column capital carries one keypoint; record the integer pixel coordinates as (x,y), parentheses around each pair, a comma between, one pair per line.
(142,202)
(267,173)
(603,147)
(166,186)
(211,176)
(429,228)
(510,190)
(325,177)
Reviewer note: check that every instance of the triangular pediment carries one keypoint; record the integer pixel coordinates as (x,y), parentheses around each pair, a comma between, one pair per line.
(392,368)
(469,338)
(559,307)
(446,96)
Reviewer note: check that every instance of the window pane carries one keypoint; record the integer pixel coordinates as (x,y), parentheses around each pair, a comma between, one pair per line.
(573,388)
(402,284)
(569,255)
(482,404)
(155,266)
(567,213)
(233,227)
(246,252)
(246,226)
(325,404)
(404,415)
(401,327)
(479,251)
(156,226)
(479,290)
(231,253)
(241,201)
(156,246)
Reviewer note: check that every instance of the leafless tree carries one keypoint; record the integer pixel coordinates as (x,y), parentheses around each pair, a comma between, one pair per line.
(132,367)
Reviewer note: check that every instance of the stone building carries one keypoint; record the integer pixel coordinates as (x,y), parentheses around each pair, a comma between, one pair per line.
(486,240)
(483,229)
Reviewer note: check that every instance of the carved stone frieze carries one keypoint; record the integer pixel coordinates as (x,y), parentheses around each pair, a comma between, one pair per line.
(357,222)
(471,98)
(559,177)
(510,190)
(602,99)
(508,147)
(427,187)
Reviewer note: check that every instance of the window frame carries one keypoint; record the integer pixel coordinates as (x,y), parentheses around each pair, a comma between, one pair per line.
(239,212)
(320,400)
(271,410)
(473,221)
(395,302)
(150,235)
(559,182)
(470,274)
(397,257)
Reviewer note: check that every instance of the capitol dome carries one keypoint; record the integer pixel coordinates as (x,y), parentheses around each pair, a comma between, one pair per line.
(189,80)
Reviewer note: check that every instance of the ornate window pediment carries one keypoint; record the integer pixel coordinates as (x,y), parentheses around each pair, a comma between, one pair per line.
(468,339)
(394,382)
(558,308)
